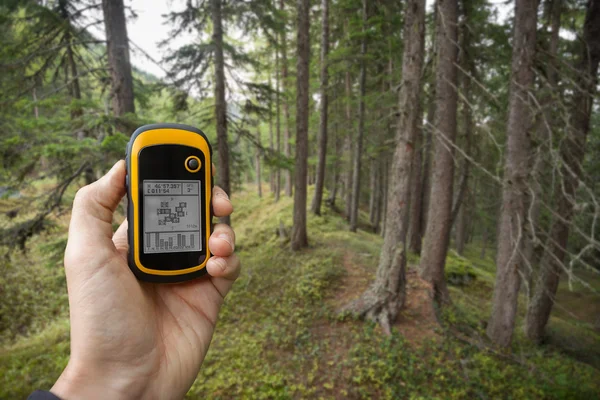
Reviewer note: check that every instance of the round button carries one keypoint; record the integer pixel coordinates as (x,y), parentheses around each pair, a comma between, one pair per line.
(192,164)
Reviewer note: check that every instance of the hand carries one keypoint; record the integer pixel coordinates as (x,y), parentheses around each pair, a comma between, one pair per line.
(131,339)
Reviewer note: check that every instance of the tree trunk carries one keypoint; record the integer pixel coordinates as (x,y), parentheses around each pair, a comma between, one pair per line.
(514,194)
(385,171)
(572,153)
(322,152)
(117,48)
(459,212)
(542,135)
(299,236)
(428,132)
(271,145)
(373,188)
(257,163)
(484,241)
(335,176)
(277,125)
(348,148)
(437,236)
(361,126)
(383,300)
(416,200)
(220,104)
(287,174)
(272,181)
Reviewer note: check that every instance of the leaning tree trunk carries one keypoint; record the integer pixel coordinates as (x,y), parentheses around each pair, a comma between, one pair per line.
(117,48)
(220,104)
(437,236)
(299,236)
(355,201)
(383,300)
(572,153)
(516,171)
(322,152)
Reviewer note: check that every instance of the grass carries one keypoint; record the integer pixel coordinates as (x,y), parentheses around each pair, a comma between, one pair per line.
(279,335)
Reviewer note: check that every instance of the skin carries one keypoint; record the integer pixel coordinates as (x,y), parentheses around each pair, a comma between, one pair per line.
(131,339)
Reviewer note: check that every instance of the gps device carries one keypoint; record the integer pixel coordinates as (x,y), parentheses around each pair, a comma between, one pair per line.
(169,191)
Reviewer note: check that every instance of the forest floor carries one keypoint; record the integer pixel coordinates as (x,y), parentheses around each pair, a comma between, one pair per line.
(280,335)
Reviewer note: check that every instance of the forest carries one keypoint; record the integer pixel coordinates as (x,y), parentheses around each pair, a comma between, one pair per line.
(414,184)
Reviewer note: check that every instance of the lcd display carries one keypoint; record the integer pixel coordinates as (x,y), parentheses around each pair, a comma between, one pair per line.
(171,216)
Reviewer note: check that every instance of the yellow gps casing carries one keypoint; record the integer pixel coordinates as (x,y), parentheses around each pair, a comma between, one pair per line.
(169,191)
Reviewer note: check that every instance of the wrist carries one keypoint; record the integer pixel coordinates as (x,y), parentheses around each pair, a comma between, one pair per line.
(86,382)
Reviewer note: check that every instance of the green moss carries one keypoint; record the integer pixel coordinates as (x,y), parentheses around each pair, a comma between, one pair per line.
(279,337)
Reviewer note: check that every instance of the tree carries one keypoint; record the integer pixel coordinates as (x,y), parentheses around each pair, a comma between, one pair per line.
(358,144)
(257,162)
(437,236)
(287,174)
(542,135)
(299,236)
(572,152)
(384,298)
(459,211)
(117,46)
(220,104)
(512,216)
(191,64)
(316,204)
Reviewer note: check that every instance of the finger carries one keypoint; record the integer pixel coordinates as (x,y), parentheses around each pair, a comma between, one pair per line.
(222,206)
(214,169)
(120,239)
(224,271)
(222,241)
(94,205)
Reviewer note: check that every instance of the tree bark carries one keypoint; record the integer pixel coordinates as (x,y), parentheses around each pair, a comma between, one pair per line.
(277,125)
(257,163)
(299,236)
(383,300)
(428,133)
(322,151)
(459,212)
(543,135)
(271,144)
(337,139)
(220,104)
(287,174)
(572,153)
(348,148)
(361,126)
(272,181)
(374,193)
(516,170)
(437,236)
(416,200)
(117,47)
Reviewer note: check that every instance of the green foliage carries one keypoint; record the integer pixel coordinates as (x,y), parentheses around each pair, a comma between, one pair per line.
(459,270)
(279,336)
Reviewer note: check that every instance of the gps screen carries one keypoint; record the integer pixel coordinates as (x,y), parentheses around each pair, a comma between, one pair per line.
(171,216)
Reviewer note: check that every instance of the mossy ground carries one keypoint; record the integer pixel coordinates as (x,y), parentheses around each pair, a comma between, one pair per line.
(279,334)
